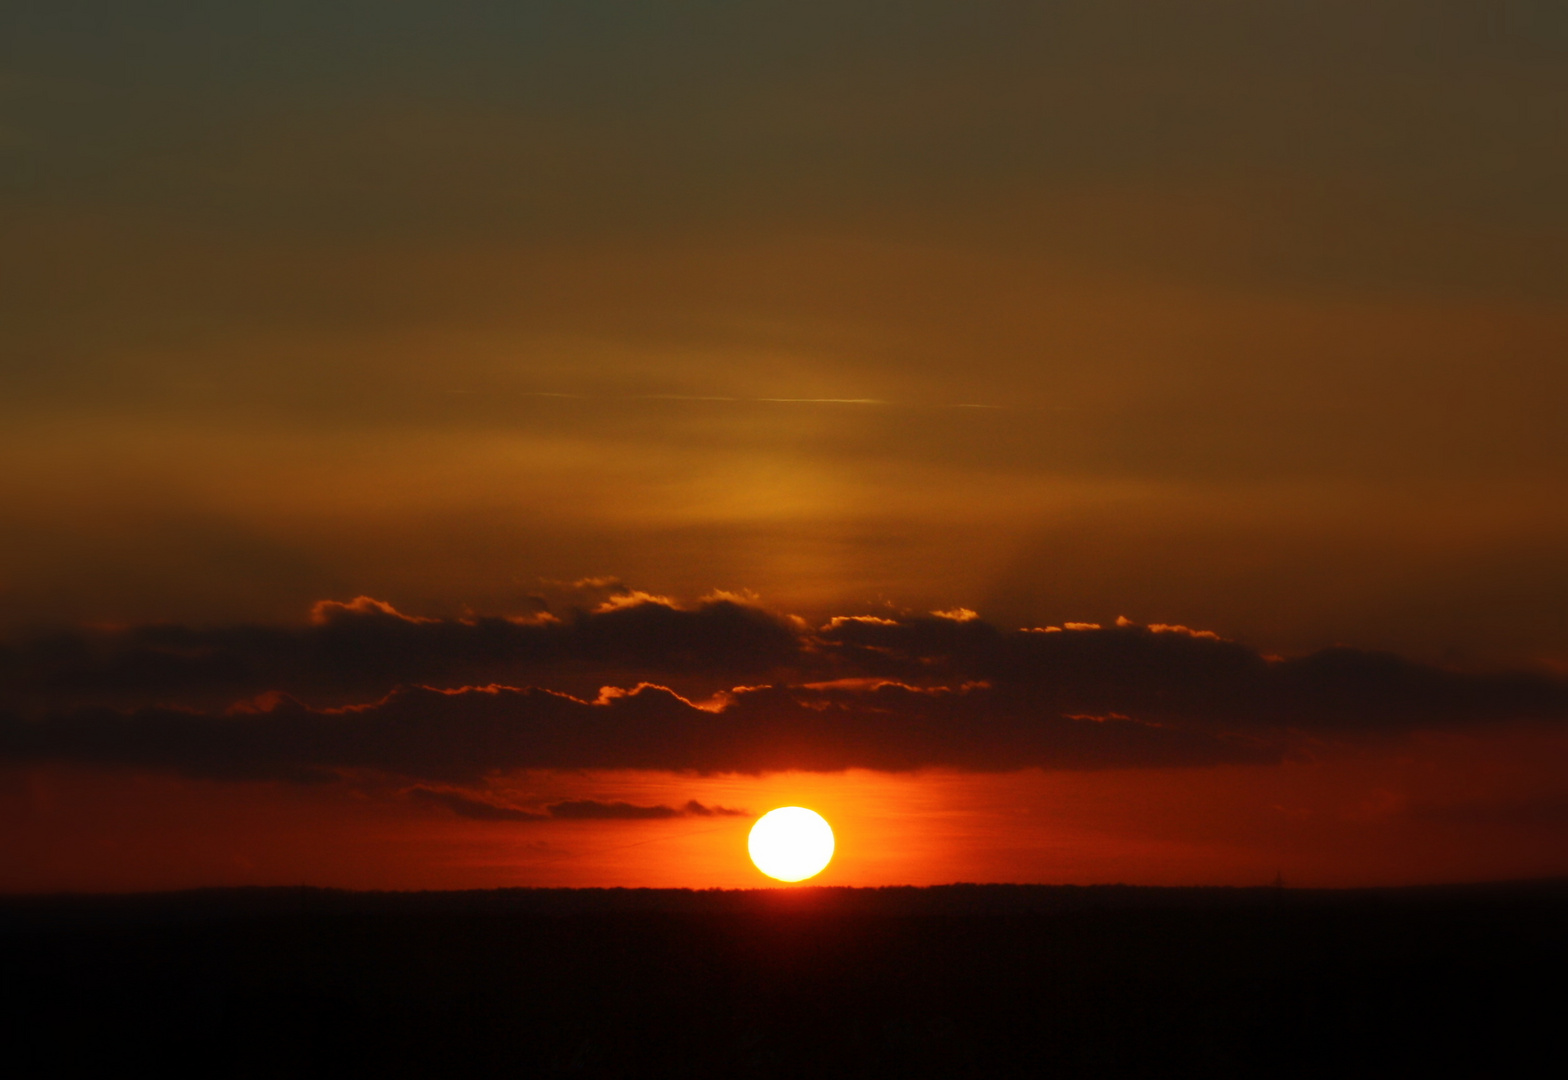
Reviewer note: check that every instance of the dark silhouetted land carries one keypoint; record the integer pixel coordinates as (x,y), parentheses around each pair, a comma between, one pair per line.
(955,981)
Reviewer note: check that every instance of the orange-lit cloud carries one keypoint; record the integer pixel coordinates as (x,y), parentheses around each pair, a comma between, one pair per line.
(877,693)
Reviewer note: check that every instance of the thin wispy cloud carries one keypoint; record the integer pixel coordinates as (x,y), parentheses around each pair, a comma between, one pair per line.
(754,400)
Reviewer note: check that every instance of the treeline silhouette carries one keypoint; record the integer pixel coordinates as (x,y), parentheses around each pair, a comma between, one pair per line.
(958,981)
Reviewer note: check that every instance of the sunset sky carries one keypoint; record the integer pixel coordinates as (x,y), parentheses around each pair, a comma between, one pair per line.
(515,443)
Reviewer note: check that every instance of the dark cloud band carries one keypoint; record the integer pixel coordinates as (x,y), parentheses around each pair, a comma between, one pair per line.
(947,690)
(464,735)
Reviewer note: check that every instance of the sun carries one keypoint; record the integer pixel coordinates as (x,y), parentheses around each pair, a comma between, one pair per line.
(791,843)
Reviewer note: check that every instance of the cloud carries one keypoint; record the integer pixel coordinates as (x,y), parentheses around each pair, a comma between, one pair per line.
(328,611)
(1175,675)
(474,809)
(890,693)
(462,736)
(366,647)
(697,809)
(592,810)
(570,810)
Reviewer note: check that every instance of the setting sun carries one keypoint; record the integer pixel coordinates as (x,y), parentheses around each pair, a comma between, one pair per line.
(791,843)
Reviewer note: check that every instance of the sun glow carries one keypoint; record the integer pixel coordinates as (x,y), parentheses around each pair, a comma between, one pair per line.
(791,843)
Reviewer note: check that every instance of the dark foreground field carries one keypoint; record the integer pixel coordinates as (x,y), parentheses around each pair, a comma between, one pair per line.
(952,982)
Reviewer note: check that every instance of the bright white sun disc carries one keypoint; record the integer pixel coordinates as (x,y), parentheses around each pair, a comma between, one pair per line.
(791,843)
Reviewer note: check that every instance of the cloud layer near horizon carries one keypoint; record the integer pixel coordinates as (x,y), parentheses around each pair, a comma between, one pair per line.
(567,810)
(365,687)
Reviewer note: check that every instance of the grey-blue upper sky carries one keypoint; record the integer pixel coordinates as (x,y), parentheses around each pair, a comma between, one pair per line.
(805,108)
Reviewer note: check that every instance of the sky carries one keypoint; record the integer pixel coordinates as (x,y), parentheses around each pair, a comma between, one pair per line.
(479,443)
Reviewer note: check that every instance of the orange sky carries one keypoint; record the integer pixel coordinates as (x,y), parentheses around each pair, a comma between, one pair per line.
(1445,808)
(1244,318)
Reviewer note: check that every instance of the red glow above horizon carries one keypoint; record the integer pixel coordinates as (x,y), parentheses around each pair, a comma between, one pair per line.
(1449,808)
